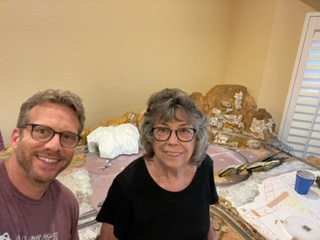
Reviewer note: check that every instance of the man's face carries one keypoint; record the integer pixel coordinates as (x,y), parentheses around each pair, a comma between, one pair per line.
(43,161)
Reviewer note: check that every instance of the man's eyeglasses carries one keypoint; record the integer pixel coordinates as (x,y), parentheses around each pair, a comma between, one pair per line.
(44,134)
(183,134)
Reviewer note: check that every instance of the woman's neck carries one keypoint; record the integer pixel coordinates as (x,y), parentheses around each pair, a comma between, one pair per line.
(171,179)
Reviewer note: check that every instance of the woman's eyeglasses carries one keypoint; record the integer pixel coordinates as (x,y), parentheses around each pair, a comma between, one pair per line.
(183,134)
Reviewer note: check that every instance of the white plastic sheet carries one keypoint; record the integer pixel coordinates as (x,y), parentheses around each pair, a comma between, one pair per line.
(113,141)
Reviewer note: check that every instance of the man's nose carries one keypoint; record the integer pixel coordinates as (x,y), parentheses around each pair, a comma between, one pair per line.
(54,143)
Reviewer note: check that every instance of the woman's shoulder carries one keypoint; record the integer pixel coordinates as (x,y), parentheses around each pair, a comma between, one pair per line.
(135,165)
(207,162)
(134,170)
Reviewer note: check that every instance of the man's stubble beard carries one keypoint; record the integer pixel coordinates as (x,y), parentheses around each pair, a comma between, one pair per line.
(26,164)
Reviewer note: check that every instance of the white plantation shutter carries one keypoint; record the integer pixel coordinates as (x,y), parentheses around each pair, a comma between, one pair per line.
(300,125)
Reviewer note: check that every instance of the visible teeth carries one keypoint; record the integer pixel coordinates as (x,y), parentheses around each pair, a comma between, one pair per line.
(172,154)
(47,160)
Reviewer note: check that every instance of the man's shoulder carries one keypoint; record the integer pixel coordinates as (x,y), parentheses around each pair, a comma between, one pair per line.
(2,167)
(4,178)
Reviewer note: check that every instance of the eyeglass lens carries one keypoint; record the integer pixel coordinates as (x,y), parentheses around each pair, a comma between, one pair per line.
(44,133)
(183,134)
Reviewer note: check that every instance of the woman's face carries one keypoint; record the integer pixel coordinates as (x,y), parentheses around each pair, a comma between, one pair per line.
(173,153)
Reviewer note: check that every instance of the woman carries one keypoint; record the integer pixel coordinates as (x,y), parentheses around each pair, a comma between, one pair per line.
(166,193)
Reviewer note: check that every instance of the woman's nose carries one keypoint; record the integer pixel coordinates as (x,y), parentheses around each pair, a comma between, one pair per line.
(173,139)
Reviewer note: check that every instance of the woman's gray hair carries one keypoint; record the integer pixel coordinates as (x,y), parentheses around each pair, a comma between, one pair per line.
(66,98)
(163,106)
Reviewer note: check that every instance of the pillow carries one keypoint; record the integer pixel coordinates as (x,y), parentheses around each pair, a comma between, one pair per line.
(114,140)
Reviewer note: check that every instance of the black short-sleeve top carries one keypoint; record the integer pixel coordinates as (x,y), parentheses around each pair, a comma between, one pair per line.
(139,209)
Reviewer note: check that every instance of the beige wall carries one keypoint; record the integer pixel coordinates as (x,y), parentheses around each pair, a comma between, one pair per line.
(264,41)
(251,30)
(115,53)
(287,27)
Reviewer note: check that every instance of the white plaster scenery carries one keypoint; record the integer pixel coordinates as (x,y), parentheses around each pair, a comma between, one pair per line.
(268,199)
(113,141)
(259,126)
(90,233)
(252,143)
(78,181)
(238,100)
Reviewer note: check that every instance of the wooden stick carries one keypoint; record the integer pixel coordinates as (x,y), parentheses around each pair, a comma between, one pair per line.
(278,199)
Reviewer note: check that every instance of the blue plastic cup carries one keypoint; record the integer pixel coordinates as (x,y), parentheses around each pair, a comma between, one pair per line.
(304,181)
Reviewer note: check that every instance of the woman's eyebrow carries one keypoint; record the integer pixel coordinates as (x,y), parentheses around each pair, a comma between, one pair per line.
(180,125)
(160,124)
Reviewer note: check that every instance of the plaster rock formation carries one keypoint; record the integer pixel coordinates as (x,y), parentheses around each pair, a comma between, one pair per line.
(238,100)
(233,111)
(201,101)
(253,144)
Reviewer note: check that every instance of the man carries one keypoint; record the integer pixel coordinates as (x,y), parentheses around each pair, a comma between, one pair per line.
(33,204)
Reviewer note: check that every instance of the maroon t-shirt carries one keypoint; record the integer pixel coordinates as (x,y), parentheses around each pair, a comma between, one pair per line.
(53,217)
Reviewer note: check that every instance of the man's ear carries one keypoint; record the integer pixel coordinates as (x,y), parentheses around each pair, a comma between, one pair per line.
(15,137)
